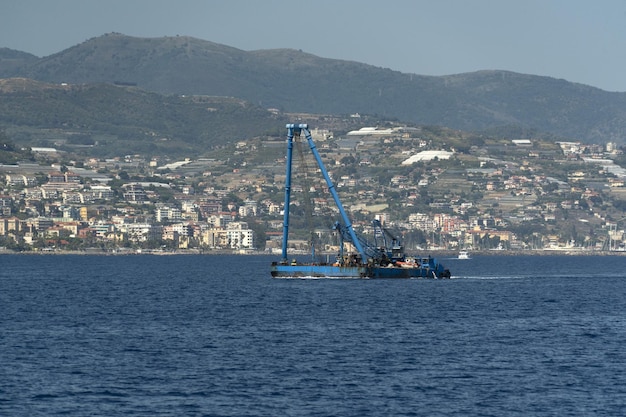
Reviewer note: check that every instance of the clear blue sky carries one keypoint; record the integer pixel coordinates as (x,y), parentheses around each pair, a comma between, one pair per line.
(580,41)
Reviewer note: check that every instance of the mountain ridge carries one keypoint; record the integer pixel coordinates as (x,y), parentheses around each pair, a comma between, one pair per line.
(296,81)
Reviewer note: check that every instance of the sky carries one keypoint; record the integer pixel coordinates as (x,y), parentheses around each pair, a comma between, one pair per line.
(582,41)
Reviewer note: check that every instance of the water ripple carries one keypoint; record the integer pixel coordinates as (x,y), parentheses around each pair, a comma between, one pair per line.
(221,339)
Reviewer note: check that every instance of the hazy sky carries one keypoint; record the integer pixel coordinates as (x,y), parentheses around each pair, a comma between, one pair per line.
(580,41)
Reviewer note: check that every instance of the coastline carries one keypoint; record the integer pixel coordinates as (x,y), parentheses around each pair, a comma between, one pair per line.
(436,254)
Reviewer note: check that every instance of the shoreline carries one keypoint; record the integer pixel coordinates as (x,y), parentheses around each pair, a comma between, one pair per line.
(436,253)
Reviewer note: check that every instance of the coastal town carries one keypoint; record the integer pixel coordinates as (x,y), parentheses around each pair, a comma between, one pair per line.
(436,190)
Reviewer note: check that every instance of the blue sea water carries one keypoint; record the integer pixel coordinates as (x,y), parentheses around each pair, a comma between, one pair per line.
(216,336)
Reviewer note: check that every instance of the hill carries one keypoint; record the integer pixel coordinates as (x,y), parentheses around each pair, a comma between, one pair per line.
(105,119)
(295,81)
(114,120)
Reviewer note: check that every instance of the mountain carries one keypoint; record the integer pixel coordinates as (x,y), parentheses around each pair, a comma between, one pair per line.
(12,61)
(295,81)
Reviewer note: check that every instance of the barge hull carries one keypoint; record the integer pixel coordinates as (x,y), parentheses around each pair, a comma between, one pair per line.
(359,271)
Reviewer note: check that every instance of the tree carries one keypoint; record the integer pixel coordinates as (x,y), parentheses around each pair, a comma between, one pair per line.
(259,230)
(348,160)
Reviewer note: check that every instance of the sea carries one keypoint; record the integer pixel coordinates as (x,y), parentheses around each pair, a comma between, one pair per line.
(209,335)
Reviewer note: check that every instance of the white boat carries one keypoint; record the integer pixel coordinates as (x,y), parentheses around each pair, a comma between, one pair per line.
(463,255)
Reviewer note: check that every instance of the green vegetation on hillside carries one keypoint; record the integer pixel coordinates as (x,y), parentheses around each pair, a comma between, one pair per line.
(10,153)
(105,120)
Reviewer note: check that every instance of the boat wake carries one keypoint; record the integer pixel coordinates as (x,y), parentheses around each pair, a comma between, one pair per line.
(488,278)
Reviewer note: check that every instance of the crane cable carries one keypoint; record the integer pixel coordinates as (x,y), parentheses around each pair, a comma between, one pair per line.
(308,207)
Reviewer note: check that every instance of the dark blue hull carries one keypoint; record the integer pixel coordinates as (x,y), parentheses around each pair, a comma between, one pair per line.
(431,270)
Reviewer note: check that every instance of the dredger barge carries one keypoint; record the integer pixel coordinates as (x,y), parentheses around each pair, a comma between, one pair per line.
(384,258)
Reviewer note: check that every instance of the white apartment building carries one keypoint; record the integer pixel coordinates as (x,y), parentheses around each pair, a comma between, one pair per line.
(239,236)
